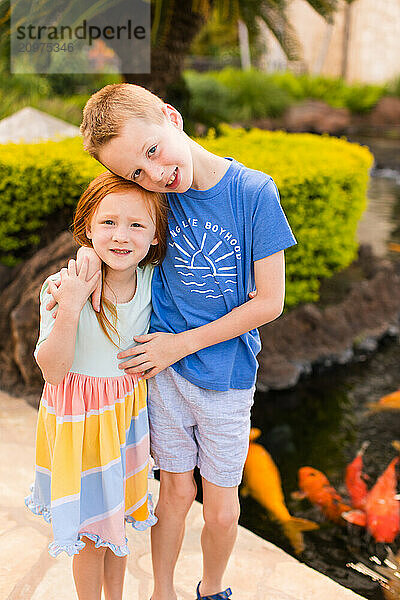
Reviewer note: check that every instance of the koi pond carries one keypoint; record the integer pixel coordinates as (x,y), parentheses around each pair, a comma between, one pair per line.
(324,421)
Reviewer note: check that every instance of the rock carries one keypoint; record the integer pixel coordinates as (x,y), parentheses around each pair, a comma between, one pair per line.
(367,344)
(386,112)
(280,373)
(6,274)
(265,123)
(200,129)
(19,317)
(316,117)
(309,335)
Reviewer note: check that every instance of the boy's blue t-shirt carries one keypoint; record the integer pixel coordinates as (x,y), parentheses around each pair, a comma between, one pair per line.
(214,237)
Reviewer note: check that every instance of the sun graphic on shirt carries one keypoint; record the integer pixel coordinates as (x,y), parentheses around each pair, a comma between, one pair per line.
(192,262)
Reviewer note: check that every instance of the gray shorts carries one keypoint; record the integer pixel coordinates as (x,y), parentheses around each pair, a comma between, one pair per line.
(191,426)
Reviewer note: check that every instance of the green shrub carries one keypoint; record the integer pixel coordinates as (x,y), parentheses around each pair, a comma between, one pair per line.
(305,86)
(19,90)
(66,84)
(67,109)
(39,189)
(393,87)
(254,94)
(360,98)
(61,95)
(235,96)
(203,88)
(322,182)
(356,97)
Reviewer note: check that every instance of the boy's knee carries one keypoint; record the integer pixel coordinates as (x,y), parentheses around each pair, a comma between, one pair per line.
(222,518)
(178,489)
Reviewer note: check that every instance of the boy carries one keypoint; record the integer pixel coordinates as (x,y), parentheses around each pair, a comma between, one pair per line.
(227,233)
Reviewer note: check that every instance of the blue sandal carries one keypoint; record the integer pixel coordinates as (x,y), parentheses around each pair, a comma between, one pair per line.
(221,596)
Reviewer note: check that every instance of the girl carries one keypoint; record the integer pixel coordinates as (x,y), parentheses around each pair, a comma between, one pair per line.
(92,446)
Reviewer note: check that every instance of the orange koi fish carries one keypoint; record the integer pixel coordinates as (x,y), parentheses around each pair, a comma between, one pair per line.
(315,486)
(263,482)
(388,402)
(355,480)
(394,247)
(382,508)
(381,516)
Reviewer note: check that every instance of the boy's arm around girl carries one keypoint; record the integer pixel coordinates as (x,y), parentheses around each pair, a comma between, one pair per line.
(157,351)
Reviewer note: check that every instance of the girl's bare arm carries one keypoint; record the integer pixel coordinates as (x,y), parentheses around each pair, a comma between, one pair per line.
(56,354)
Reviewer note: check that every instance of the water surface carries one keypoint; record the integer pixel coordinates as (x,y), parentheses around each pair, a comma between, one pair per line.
(322,423)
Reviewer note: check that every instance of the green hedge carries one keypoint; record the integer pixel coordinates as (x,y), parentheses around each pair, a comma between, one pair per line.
(246,95)
(236,96)
(357,97)
(322,182)
(39,188)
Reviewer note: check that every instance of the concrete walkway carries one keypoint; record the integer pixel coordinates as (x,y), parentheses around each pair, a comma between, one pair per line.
(257,570)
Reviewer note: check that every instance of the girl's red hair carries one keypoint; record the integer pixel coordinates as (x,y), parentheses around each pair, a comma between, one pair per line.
(108,183)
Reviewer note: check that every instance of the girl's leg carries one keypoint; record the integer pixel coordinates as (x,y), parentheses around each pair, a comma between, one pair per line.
(88,570)
(221,514)
(114,573)
(177,493)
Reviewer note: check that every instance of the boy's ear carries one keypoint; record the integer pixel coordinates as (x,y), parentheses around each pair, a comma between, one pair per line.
(173,115)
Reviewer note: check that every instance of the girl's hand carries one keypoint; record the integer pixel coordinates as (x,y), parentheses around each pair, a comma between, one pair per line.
(74,288)
(94,265)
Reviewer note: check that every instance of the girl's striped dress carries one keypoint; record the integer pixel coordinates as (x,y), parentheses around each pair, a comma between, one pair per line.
(92,441)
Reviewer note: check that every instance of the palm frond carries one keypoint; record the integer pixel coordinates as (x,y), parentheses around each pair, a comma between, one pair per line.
(325,8)
(280,26)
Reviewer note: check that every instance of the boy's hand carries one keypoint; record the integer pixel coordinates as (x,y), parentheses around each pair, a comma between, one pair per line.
(73,290)
(155,352)
(94,265)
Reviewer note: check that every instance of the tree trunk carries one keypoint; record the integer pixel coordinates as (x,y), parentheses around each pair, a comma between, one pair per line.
(346,40)
(244,45)
(323,51)
(178,28)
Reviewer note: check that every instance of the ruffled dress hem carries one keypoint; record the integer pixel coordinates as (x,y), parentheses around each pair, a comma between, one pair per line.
(100,543)
(71,548)
(149,522)
(38,509)
(142,525)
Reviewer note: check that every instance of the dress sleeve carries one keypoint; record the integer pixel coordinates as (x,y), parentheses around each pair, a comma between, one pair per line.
(271,230)
(46,316)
